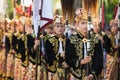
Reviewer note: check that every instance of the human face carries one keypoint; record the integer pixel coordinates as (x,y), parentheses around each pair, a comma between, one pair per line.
(114,29)
(96,29)
(59,29)
(82,27)
(21,27)
(49,29)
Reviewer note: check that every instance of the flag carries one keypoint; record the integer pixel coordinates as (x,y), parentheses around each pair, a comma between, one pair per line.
(42,14)
(3,7)
(24,7)
(116,12)
(30,10)
(103,16)
(26,3)
(46,13)
(36,6)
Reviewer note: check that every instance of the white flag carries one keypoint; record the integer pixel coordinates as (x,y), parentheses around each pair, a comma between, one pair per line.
(26,3)
(36,17)
(46,16)
(46,13)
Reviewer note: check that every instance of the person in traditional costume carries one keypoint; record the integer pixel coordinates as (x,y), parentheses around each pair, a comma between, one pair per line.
(54,49)
(22,48)
(112,48)
(2,48)
(40,42)
(78,57)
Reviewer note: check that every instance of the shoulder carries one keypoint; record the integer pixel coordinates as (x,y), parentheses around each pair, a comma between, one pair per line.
(17,34)
(8,34)
(52,39)
(48,36)
(74,39)
(94,38)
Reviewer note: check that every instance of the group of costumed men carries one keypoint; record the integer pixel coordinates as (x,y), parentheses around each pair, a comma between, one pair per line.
(60,51)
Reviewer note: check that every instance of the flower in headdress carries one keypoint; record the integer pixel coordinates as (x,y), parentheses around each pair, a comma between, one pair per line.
(58,20)
(80,15)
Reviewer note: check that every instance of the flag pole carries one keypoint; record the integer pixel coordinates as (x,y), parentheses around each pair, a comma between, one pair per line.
(88,65)
(101,25)
(14,13)
(38,53)
(6,54)
(101,1)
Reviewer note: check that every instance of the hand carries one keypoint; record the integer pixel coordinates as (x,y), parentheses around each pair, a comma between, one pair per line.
(90,77)
(118,60)
(29,30)
(117,46)
(13,51)
(86,60)
(65,64)
(62,54)
(37,43)
(101,38)
(41,36)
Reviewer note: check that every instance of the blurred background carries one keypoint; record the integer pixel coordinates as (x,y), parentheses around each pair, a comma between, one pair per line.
(12,8)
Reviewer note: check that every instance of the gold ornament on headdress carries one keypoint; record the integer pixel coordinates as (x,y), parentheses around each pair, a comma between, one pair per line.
(113,22)
(80,15)
(58,20)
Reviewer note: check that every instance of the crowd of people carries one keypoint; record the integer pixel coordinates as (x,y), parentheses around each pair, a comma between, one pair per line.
(59,54)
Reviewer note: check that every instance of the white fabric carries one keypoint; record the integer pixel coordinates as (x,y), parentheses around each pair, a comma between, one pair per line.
(47,12)
(85,49)
(60,47)
(36,16)
(26,3)
(42,47)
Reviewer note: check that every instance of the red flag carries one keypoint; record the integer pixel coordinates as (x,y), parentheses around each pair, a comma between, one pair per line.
(115,12)
(29,10)
(103,16)
(19,10)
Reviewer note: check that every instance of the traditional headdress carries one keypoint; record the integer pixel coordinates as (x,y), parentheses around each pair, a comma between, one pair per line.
(80,15)
(58,20)
(113,22)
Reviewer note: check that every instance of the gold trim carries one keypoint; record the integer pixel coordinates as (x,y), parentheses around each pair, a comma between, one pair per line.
(18,55)
(25,63)
(33,60)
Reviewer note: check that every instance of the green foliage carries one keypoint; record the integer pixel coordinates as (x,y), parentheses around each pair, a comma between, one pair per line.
(18,2)
(9,10)
(109,9)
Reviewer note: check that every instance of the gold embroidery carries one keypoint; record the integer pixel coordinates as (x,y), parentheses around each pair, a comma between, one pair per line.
(78,44)
(54,43)
(9,35)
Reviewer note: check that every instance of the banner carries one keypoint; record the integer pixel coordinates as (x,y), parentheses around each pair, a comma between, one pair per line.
(116,12)
(36,17)
(46,13)
(42,13)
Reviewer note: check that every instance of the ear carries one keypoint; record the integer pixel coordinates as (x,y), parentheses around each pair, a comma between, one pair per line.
(76,25)
(54,27)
